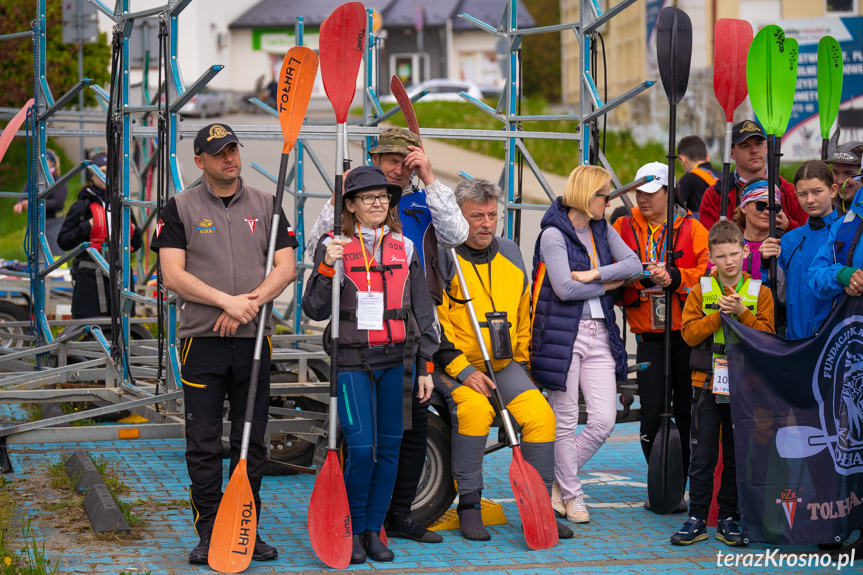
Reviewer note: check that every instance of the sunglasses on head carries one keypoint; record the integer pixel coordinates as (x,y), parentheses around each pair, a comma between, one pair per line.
(761,206)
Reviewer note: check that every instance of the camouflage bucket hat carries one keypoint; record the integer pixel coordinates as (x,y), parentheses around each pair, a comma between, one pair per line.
(396,140)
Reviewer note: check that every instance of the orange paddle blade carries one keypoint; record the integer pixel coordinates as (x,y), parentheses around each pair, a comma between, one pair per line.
(12,128)
(330,516)
(534,504)
(296,81)
(233,539)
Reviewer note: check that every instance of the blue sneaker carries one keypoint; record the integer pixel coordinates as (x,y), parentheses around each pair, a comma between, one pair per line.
(729,533)
(693,530)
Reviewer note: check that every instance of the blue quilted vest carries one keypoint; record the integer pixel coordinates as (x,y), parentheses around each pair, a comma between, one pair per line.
(555,321)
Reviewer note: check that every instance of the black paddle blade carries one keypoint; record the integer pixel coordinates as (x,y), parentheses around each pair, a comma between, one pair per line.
(665,480)
(674,51)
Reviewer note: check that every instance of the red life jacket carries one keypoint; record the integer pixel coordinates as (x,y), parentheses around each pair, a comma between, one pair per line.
(683,258)
(390,277)
(99,229)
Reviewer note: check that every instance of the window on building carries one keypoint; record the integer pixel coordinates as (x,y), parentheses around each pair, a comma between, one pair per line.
(839,7)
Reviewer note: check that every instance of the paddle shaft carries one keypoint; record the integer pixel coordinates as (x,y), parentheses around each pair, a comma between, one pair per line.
(264,313)
(504,413)
(771,203)
(725,184)
(336,301)
(824,144)
(669,252)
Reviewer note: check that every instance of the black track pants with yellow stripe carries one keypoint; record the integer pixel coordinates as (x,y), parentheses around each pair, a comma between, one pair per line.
(215,368)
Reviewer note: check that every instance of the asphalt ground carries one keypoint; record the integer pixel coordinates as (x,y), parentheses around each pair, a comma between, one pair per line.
(622,536)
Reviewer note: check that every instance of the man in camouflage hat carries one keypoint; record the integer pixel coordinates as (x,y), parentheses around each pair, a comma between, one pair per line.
(845,160)
(429,215)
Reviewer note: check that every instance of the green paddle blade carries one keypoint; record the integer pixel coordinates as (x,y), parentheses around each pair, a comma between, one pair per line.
(765,71)
(788,86)
(829,82)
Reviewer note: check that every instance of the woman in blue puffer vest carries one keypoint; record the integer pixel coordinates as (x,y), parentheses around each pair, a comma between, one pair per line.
(578,260)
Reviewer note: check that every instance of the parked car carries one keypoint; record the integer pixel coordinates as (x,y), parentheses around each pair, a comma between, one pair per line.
(207,102)
(440,89)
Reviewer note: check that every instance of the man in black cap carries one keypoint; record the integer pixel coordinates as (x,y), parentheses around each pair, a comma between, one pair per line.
(845,160)
(87,221)
(428,215)
(749,152)
(212,245)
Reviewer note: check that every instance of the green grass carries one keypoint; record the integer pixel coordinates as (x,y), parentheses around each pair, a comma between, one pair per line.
(554,156)
(15,559)
(113,477)
(13,177)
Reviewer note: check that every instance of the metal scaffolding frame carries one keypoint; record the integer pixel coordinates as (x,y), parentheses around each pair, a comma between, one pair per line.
(123,373)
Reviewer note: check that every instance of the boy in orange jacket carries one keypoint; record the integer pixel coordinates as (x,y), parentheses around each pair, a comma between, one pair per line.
(730,290)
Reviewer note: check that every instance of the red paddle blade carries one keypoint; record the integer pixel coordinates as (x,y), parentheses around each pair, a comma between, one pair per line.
(404,101)
(296,81)
(233,538)
(730,48)
(330,516)
(534,504)
(12,128)
(341,47)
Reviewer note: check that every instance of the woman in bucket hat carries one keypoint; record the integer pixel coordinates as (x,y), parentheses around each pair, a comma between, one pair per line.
(384,301)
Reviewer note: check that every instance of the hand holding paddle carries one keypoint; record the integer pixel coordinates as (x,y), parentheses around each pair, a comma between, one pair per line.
(341,51)
(233,538)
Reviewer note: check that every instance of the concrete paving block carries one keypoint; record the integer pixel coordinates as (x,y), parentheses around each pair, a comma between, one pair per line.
(103,512)
(82,471)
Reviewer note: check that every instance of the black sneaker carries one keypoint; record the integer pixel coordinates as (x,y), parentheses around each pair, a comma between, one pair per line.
(563,531)
(729,533)
(264,552)
(693,530)
(199,554)
(403,527)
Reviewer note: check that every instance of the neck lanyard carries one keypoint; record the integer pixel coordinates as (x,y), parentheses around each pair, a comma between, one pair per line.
(652,243)
(487,290)
(594,259)
(363,248)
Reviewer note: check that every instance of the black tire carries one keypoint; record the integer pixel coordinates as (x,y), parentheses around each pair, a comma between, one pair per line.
(284,447)
(436,490)
(12,312)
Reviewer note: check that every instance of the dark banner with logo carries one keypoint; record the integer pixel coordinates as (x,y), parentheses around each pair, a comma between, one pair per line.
(797,408)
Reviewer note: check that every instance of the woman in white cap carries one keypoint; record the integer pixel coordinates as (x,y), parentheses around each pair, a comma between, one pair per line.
(644,302)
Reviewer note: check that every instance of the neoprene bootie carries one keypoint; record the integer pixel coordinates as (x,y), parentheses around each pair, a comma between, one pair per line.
(375,548)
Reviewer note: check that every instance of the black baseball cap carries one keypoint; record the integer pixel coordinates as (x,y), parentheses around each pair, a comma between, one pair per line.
(370,178)
(745,130)
(211,139)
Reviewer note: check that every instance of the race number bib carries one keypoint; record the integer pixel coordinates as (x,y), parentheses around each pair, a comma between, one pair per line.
(370,310)
(720,379)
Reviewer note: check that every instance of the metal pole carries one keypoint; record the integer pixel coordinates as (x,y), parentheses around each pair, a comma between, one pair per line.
(80,27)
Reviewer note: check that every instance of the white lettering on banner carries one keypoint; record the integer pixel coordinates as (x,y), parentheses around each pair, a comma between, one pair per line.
(772,558)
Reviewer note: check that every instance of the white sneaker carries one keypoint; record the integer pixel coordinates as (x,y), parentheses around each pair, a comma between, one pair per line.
(557,501)
(576,511)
